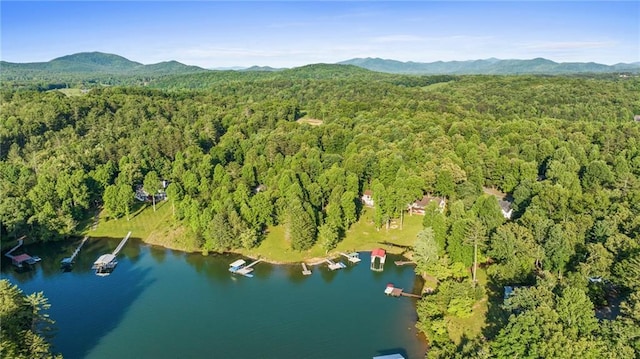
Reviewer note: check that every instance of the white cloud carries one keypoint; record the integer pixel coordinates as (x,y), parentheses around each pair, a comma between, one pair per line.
(568,45)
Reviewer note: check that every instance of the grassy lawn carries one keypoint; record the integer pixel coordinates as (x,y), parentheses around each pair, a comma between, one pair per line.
(362,236)
(157,227)
(470,327)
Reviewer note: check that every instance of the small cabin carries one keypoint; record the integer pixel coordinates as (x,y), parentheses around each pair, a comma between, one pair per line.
(367,198)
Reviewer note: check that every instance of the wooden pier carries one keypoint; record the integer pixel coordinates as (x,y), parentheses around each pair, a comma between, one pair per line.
(68,262)
(334,266)
(305,270)
(397,292)
(105,264)
(353,257)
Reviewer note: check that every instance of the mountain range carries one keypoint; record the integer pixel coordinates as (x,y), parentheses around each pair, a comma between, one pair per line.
(98,63)
(489,67)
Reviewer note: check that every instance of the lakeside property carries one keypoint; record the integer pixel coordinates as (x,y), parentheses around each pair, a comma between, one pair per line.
(159,228)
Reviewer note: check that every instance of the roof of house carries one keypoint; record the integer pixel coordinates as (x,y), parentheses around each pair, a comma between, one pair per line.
(105,259)
(21,258)
(368,192)
(505,205)
(239,262)
(425,200)
(378,252)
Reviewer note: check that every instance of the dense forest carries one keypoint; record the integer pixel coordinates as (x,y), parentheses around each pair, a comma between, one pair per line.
(244,151)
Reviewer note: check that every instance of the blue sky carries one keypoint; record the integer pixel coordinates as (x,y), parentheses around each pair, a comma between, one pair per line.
(294,33)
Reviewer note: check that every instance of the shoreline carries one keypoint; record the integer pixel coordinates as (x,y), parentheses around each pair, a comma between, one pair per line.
(312,261)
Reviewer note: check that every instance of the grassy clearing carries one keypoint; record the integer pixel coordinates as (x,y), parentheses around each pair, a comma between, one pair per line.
(158,228)
(310,121)
(436,86)
(362,236)
(71,92)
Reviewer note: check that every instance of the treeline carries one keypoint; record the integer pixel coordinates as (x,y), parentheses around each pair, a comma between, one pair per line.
(237,160)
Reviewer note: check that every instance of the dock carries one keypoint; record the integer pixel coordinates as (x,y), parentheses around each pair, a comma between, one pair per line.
(105,264)
(381,255)
(239,267)
(403,263)
(68,262)
(353,257)
(397,292)
(305,270)
(333,265)
(20,259)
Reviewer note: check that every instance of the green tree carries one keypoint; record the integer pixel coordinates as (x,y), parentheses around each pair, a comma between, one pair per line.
(425,251)
(152,185)
(25,324)
(175,193)
(301,226)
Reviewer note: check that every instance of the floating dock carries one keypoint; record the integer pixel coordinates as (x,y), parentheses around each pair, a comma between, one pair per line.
(334,266)
(68,262)
(305,270)
(105,264)
(397,292)
(353,257)
(239,267)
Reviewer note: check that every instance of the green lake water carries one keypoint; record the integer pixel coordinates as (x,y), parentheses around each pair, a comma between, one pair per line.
(160,303)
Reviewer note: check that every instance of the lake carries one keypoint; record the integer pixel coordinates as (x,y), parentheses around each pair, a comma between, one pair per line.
(160,303)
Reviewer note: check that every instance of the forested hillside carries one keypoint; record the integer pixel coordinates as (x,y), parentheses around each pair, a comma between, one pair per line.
(239,157)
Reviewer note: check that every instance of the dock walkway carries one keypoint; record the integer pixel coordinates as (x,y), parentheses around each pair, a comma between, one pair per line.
(402,263)
(352,257)
(305,270)
(20,242)
(334,266)
(69,260)
(397,292)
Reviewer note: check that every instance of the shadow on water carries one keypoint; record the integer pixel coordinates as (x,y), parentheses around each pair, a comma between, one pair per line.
(74,296)
(114,309)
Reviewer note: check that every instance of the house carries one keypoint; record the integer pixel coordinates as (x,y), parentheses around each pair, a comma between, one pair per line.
(505,207)
(508,293)
(367,198)
(142,195)
(636,118)
(419,206)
